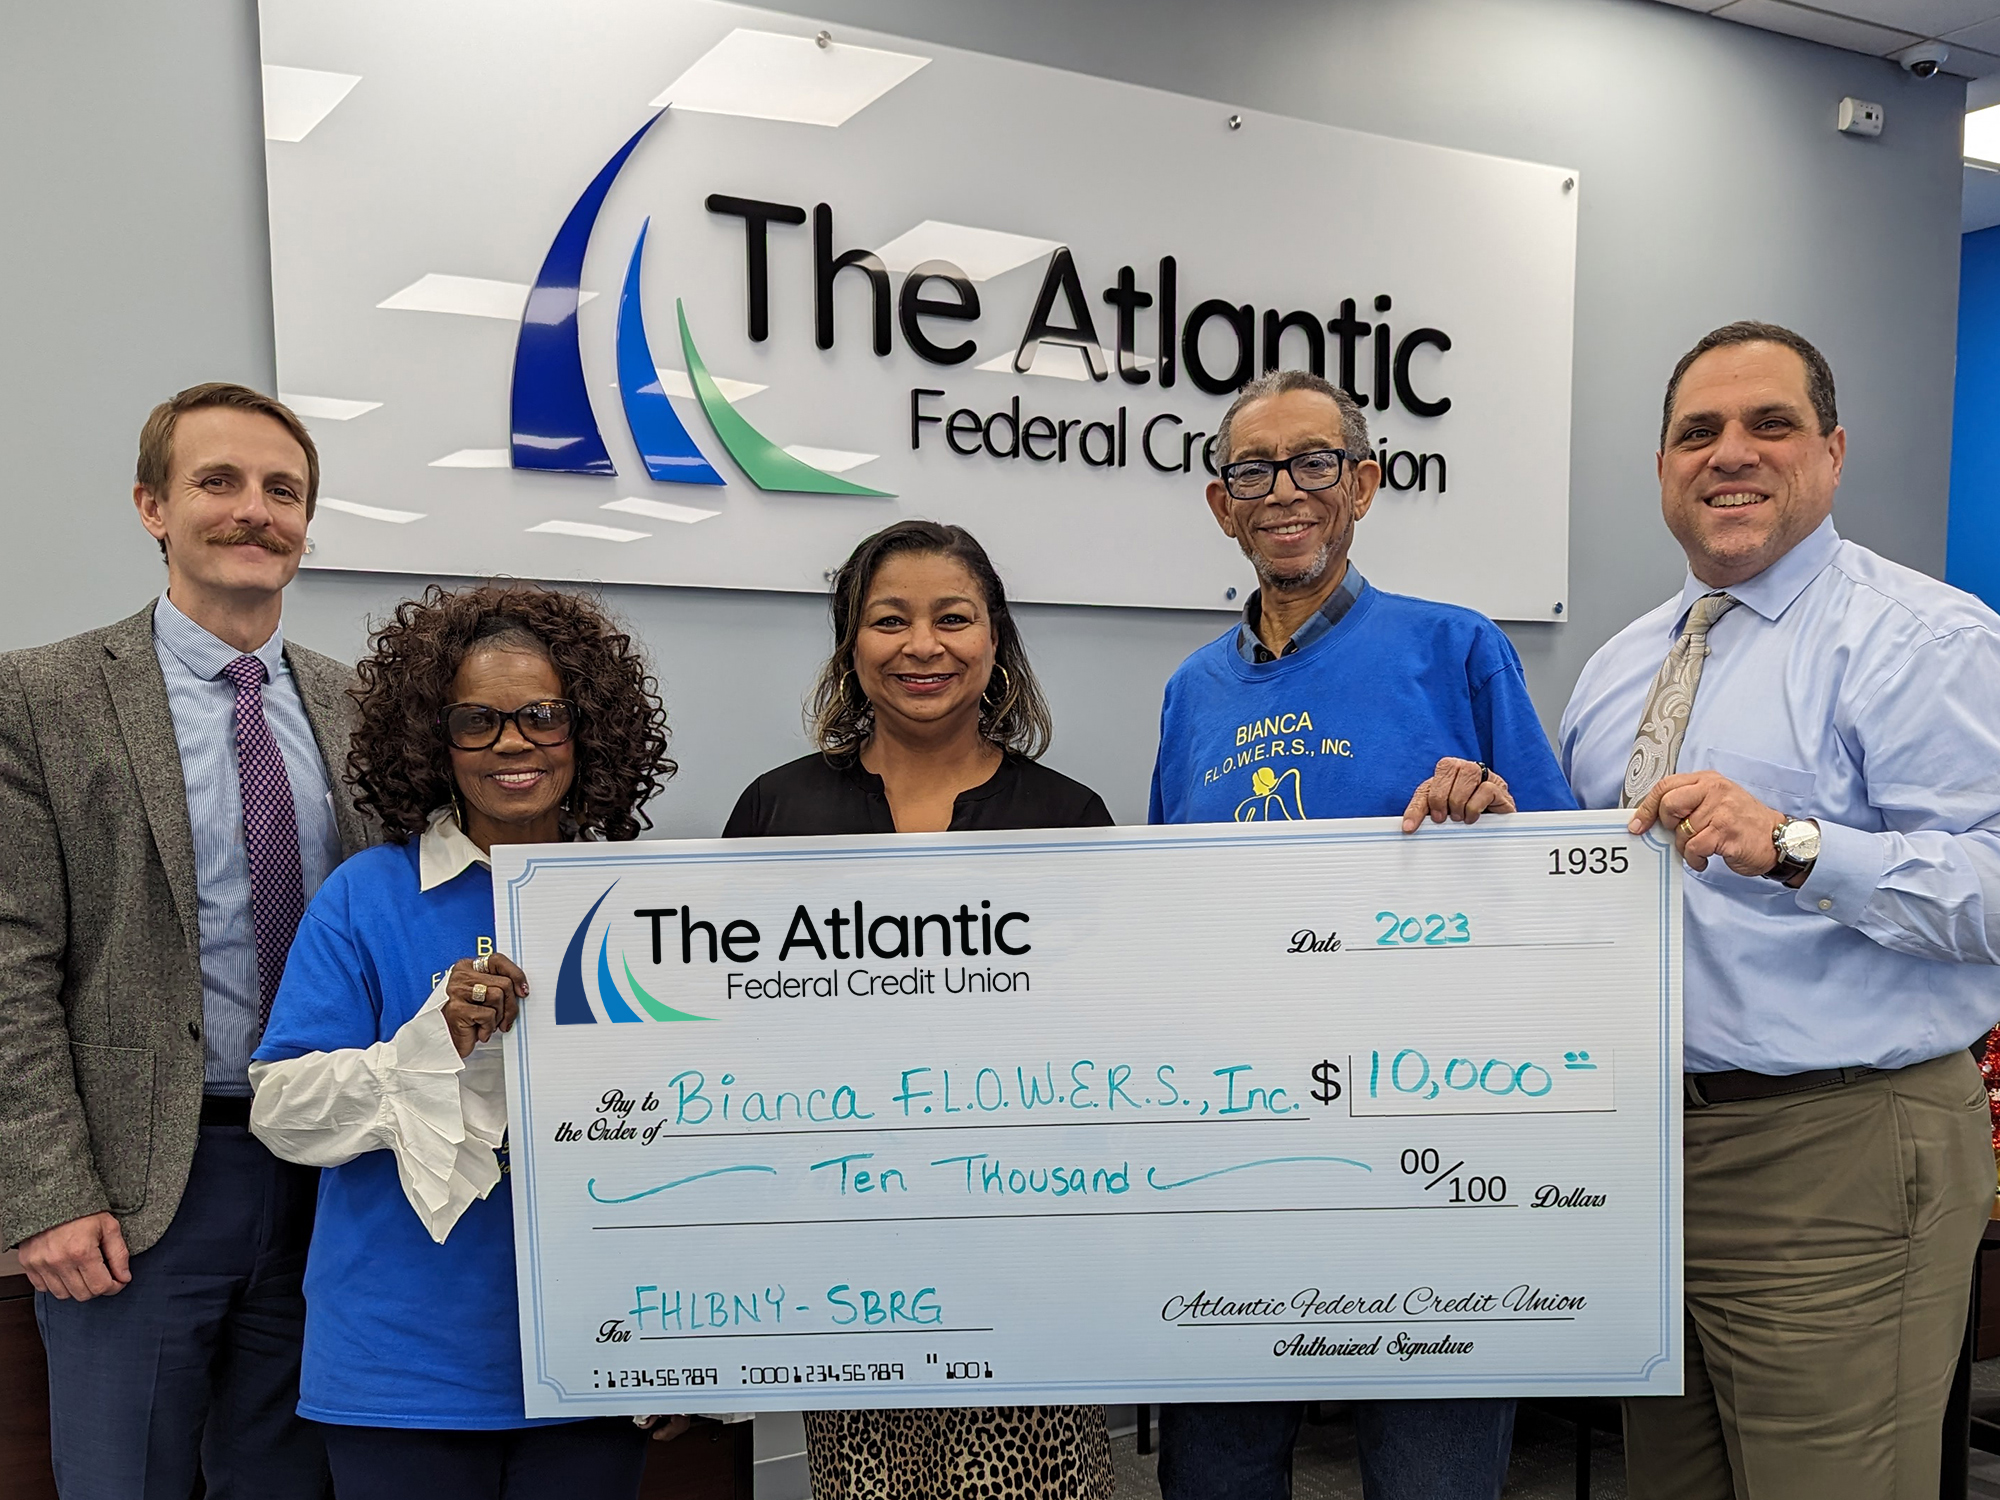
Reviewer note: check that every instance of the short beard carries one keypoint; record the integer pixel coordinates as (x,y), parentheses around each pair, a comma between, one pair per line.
(1293,583)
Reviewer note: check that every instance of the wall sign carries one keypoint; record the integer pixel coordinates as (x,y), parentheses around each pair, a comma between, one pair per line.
(679,292)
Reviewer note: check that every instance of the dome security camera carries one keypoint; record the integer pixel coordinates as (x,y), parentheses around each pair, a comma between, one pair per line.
(1924,59)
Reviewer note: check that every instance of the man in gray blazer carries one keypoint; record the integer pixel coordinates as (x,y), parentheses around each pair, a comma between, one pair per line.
(169,801)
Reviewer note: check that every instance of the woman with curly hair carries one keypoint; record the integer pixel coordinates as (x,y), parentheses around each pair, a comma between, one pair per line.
(928,717)
(497,715)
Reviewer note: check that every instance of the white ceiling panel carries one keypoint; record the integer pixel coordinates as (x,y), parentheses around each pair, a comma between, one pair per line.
(1925,17)
(1880,28)
(1968,62)
(1817,26)
(1985,37)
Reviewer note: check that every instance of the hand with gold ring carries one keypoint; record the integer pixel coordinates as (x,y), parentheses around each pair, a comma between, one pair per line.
(482,997)
(1712,817)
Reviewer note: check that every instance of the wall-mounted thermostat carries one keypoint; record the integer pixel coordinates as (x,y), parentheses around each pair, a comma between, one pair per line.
(1859,117)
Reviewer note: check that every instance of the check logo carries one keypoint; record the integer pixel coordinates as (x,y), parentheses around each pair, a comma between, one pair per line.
(574,1005)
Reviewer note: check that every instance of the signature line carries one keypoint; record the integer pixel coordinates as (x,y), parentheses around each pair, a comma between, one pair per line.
(590,1187)
(1269,1161)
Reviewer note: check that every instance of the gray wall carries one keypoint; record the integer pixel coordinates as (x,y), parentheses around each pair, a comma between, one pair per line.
(1715,187)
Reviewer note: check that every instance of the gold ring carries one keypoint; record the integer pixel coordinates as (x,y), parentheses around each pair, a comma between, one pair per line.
(1687,828)
(479,994)
(479,964)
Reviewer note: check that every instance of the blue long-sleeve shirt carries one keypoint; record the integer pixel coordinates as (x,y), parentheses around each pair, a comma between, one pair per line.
(1351,722)
(1865,696)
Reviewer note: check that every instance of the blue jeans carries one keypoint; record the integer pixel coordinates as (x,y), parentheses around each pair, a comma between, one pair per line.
(1410,1450)
(194,1364)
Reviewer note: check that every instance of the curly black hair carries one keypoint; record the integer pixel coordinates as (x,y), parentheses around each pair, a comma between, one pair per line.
(400,762)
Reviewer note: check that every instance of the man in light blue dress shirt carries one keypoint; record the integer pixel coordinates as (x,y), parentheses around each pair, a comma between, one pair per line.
(1834,786)
(169,790)
(202,704)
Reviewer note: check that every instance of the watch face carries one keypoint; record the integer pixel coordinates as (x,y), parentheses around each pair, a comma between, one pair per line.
(1800,842)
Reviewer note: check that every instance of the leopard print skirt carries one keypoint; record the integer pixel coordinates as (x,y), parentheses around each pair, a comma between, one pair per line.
(982,1453)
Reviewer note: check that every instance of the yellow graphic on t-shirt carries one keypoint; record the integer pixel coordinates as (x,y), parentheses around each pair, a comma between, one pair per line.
(1268,791)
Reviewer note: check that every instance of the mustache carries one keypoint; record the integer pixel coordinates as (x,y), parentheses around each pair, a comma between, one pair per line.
(237,536)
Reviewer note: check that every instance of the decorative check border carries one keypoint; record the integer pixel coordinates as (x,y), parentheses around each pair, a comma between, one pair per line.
(1246,1387)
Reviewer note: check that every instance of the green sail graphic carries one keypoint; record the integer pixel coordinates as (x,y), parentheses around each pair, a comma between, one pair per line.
(769,466)
(651,1006)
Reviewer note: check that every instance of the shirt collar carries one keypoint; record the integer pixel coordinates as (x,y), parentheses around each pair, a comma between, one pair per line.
(1772,591)
(204,654)
(444,852)
(1323,619)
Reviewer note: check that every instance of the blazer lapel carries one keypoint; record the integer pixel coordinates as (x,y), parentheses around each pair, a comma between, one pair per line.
(323,690)
(146,724)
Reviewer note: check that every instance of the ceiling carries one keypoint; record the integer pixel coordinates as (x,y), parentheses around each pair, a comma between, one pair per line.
(1882,28)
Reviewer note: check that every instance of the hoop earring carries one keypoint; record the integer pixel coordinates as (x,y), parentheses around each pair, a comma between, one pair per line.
(458,806)
(994,712)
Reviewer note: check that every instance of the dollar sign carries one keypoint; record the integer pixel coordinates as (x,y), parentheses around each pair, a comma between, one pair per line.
(1329,1085)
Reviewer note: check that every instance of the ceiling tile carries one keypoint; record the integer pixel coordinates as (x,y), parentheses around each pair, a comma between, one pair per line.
(1817,26)
(1929,17)
(1985,37)
(1966,62)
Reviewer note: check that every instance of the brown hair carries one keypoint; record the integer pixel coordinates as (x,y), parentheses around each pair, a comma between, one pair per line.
(400,763)
(1819,374)
(839,717)
(156,438)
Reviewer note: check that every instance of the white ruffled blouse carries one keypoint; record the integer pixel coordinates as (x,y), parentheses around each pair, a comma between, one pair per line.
(442,1116)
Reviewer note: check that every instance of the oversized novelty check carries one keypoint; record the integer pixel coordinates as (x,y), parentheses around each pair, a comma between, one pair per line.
(1155,1114)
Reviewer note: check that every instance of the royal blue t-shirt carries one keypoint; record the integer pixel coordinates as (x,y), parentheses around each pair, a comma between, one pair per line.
(1347,726)
(400,1331)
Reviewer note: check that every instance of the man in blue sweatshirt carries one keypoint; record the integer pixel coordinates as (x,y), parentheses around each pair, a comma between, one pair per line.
(1331,699)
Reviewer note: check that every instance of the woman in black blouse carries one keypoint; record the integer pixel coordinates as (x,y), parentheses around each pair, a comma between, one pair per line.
(927,718)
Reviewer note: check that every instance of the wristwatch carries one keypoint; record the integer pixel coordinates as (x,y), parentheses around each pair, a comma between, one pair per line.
(1797,843)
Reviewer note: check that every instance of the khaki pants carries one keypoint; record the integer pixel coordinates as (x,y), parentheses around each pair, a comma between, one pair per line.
(1830,1237)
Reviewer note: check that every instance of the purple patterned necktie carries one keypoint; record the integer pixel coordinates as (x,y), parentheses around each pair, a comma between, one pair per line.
(270,833)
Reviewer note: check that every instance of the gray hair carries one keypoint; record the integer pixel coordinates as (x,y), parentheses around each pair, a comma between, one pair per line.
(1353,420)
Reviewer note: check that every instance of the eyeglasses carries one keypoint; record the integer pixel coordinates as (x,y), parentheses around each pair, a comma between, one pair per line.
(1254,478)
(476,726)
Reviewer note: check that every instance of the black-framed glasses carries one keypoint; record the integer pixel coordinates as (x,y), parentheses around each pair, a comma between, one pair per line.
(478,726)
(1254,478)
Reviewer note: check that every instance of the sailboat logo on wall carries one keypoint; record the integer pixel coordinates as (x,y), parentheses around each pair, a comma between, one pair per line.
(574,990)
(554,425)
